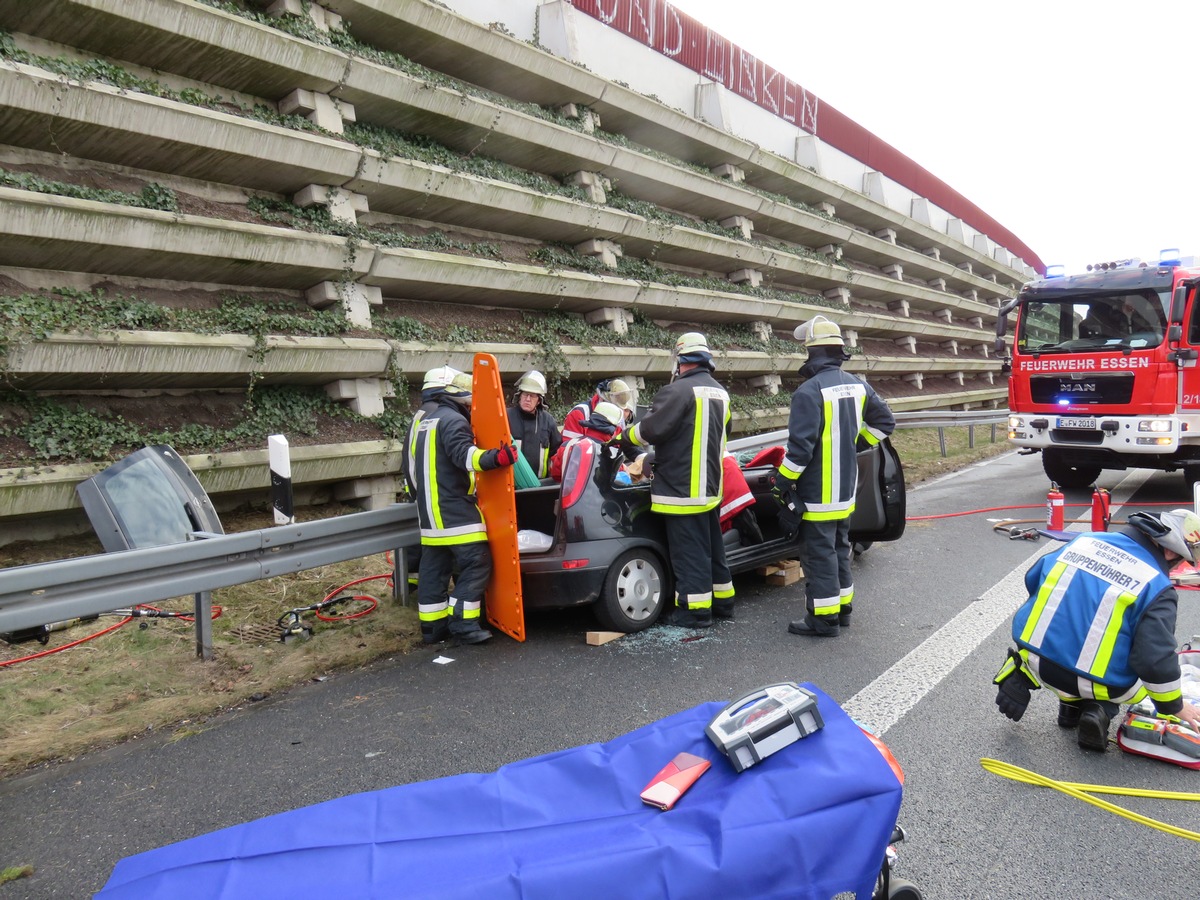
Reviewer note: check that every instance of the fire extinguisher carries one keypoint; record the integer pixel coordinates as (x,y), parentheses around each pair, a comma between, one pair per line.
(1054,508)
(1100,509)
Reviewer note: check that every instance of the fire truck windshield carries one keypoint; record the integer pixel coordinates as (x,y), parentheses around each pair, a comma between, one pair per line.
(1083,323)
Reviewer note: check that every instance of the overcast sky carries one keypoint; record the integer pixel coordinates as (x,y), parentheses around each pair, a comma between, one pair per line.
(1074,124)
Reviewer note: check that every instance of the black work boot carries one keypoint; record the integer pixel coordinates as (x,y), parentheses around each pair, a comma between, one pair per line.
(815,626)
(844,615)
(689,618)
(1093,727)
(469,633)
(723,610)
(1068,713)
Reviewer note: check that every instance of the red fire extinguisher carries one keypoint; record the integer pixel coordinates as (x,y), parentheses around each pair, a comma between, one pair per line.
(1100,506)
(1054,508)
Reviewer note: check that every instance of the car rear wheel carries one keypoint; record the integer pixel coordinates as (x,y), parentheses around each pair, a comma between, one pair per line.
(635,591)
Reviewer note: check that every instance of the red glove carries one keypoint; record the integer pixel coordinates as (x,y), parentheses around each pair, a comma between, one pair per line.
(506,456)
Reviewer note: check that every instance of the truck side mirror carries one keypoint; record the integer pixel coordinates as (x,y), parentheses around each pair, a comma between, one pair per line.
(1178,301)
(1174,334)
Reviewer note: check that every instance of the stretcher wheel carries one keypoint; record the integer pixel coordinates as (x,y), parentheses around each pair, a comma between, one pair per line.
(899,889)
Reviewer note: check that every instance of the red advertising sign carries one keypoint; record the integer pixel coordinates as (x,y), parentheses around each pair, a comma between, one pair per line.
(676,35)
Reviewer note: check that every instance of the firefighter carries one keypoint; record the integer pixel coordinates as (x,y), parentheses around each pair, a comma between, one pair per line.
(442,463)
(602,426)
(688,424)
(1098,628)
(533,428)
(832,411)
(610,390)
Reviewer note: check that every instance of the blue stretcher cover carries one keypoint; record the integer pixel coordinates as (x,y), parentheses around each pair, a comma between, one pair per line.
(811,820)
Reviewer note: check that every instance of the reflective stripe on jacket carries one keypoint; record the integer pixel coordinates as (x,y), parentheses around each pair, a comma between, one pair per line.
(829,413)
(1086,602)
(688,423)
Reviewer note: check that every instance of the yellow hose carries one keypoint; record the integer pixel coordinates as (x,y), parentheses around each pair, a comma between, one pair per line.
(1016,773)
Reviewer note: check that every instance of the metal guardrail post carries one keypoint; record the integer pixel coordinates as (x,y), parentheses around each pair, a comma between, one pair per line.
(942,439)
(400,576)
(204,629)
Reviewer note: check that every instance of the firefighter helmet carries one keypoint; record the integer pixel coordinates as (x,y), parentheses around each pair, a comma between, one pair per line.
(532,382)
(610,413)
(448,380)
(619,392)
(819,332)
(692,347)
(1177,530)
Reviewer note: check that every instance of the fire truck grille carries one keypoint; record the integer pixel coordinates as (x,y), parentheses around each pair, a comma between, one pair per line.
(1082,390)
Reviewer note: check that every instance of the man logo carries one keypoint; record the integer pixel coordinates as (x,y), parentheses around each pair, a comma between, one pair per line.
(1083,387)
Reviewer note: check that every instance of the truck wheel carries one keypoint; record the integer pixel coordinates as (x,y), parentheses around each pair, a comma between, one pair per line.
(1067,474)
(635,591)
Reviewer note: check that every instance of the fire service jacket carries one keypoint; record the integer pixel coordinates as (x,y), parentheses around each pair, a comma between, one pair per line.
(537,436)
(688,424)
(830,412)
(442,462)
(1102,609)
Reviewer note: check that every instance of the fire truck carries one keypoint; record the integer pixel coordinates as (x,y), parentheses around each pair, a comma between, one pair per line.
(1103,370)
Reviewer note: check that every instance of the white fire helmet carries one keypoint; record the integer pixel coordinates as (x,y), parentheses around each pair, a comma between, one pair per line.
(449,380)
(1177,530)
(619,392)
(532,382)
(610,413)
(819,332)
(692,347)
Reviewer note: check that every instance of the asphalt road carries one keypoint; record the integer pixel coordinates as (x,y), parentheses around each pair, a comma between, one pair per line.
(930,629)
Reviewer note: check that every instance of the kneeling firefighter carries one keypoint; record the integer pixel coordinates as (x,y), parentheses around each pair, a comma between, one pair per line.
(1098,628)
(442,462)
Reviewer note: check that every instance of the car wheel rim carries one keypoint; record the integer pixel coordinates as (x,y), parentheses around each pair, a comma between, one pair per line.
(639,589)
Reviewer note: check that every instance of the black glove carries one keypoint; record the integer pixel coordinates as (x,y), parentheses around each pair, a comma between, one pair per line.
(1013,696)
(790,508)
(1014,687)
(502,457)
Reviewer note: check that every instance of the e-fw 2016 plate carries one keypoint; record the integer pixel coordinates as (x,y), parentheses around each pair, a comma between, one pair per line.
(1077,422)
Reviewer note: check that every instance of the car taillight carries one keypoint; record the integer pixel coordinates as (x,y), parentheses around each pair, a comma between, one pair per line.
(574,563)
(577,468)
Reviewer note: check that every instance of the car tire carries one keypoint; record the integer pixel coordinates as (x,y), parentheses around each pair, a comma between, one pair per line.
(636,590)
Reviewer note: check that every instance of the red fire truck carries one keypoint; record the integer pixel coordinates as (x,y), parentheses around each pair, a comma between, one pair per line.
(1103,371)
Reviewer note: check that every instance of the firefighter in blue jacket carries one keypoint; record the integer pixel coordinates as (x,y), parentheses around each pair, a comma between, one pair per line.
(1098,628)
(442,463)
(688,424)
(816,483)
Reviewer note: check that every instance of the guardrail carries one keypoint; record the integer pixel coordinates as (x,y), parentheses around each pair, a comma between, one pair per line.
(36,595)
(41,594)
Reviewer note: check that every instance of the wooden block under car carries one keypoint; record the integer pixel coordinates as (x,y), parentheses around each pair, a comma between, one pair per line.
(596,638)
(778,567)
(790,575)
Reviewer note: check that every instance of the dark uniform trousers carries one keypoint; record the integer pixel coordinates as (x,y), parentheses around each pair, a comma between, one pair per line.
(703,582)
(441,613)
(828,584)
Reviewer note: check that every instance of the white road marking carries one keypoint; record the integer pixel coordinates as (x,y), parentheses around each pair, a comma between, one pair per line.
(887,699)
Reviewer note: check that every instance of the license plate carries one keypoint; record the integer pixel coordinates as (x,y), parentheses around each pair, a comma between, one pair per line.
(1077,422)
